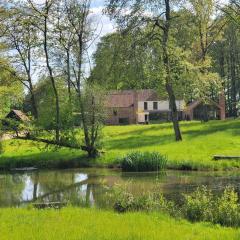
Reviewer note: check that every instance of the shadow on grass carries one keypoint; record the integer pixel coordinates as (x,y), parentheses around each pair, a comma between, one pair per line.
(211,128)
(157,127)
(45,160)
(139,141)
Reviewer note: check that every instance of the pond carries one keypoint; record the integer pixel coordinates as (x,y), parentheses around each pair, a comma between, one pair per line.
(90,187)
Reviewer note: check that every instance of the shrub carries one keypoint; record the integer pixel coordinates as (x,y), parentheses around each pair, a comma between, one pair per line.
(201,205)
(198,205)
(143,161)
(125,201)
(227,209)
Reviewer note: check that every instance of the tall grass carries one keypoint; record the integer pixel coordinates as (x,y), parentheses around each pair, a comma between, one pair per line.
(143,162)
(91,224)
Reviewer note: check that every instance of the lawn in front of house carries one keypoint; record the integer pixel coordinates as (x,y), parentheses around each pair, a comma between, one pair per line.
(200,142)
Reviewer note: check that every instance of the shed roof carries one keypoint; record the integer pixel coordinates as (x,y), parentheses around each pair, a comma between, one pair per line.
(19,114)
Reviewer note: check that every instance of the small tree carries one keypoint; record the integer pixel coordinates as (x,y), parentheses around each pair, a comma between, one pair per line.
(94,115)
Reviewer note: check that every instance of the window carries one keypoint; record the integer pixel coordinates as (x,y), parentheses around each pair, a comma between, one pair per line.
(115,112)
(155,105)
(123,121)
(145,105)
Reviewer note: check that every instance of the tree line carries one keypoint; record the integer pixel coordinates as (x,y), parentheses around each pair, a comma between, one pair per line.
(183,49)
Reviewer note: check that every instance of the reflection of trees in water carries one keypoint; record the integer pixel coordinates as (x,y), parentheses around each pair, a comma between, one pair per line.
(11,187)
(87,189)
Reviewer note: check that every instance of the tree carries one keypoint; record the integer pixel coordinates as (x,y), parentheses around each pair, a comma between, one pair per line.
(78,15)
(226,61)
(11,91)
(233,11)
(157,16)
(21,38)
(43,13)
(121,63)
(93,98)
(45,100)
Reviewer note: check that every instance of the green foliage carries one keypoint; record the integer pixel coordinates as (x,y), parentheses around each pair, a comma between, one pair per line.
(11,91)
(121,63)
(143,161)
(227,208)
(199,205)
(93,113)
(125,201)
(202,205)
(46,105)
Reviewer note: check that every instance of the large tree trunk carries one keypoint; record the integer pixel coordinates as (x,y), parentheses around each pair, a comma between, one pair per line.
(169,87)
(57,127)
(233,75)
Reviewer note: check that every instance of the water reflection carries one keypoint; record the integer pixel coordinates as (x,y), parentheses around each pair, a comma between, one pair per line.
(88,187)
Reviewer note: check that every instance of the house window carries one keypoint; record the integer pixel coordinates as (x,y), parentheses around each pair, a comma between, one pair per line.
(123,121)
(145,105)
(155,105)
(115,112)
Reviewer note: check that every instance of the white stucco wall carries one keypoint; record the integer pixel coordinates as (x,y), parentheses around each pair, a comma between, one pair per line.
(162,105)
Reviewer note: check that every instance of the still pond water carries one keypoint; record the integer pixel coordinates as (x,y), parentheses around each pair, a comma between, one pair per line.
(92,186)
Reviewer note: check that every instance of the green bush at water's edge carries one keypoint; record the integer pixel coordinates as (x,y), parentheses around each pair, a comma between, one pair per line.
(143,161)
(198,206)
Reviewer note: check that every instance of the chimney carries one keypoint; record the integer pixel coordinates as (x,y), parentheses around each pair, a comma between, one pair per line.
(222,105)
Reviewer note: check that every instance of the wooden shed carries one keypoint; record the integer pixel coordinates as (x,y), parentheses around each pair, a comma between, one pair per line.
(18,116)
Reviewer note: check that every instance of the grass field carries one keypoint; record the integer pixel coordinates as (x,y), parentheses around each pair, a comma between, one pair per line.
(200,142)
(90,224)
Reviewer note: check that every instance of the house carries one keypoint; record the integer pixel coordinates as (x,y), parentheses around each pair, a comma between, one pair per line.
(199,110)
(18,116)
(138,106)
(144,106)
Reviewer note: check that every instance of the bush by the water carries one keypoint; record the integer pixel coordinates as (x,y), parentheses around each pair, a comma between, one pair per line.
(201,205)
(125,201)
(143,161)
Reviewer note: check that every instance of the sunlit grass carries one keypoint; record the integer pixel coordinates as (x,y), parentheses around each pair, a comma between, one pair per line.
(90,224)
(200,142)
(24,153)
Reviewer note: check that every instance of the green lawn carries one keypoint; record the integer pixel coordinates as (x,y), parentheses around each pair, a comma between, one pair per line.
(23,153)
(200,142)
(90,224)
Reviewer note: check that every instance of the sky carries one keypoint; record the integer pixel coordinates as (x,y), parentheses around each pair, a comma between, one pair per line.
(103,23)
(105,26)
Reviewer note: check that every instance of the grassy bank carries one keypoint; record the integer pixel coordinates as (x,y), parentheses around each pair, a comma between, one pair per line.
(90,224)
(200,142)
(24,153)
